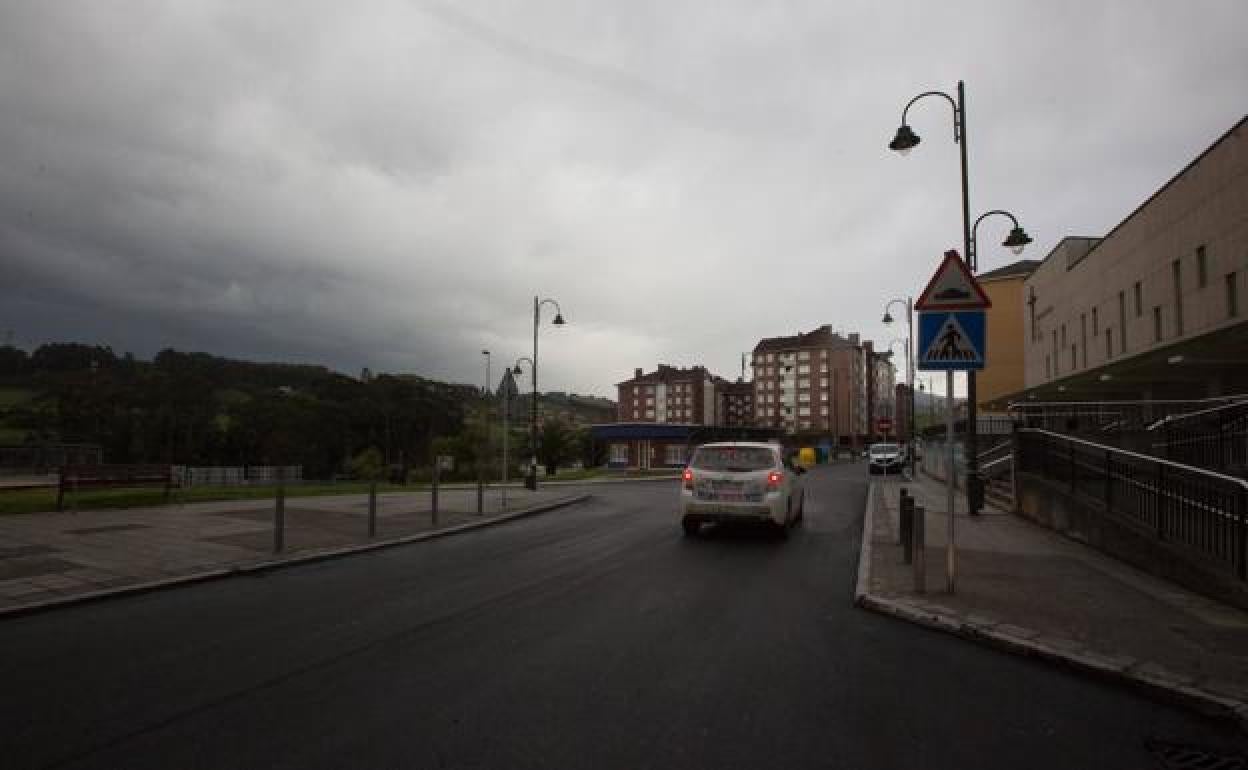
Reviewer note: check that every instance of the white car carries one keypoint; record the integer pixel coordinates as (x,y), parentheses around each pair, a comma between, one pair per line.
(740,482)
(885,458)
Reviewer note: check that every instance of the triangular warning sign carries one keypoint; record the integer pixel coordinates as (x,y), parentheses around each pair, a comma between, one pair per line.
(952,288)
(951,345)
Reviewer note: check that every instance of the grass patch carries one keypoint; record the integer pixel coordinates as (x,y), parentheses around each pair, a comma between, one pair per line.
(14,396)
(42,500)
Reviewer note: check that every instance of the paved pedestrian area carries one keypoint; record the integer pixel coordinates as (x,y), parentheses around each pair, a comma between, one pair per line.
(1018,581)
(50,556)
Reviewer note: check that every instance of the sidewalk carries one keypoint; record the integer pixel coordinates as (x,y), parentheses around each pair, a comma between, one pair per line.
(53,557)
(1030,590)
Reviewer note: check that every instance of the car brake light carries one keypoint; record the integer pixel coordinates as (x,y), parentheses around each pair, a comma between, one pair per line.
(688,478)
(774,478)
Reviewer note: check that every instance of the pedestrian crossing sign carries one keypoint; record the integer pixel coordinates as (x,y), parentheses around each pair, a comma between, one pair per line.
(951,341)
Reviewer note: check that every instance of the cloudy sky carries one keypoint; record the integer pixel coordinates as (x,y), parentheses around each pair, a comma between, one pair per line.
(388,184)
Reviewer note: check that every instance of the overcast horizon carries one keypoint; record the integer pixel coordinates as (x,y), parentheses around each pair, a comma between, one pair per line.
(387,185)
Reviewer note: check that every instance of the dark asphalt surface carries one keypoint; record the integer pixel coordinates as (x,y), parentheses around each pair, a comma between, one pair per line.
(594,636)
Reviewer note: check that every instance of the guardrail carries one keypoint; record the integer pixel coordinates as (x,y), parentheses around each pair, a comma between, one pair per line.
(1205,511)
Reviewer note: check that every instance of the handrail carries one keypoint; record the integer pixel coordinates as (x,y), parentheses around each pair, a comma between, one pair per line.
(1188,415)
(1211,399)
(1148,458)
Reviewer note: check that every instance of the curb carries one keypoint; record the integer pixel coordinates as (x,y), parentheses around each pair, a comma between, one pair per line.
(861,588)
(1147,678)
(276,564)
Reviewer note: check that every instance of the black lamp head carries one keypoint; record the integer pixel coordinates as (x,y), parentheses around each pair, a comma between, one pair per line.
(1017,240)
(559,319)
(905,141)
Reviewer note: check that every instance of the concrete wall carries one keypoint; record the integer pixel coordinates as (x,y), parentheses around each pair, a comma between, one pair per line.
(1051,505)
(1200,211)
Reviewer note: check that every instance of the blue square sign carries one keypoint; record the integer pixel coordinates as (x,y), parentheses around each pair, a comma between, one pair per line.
(951,341)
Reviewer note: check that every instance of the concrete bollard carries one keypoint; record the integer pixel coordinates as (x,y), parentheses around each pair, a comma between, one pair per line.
(919,546)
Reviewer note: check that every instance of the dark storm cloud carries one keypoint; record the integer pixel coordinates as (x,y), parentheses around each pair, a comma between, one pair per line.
(388,184)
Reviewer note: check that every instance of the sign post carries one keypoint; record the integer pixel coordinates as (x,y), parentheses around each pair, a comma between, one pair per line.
(952,337)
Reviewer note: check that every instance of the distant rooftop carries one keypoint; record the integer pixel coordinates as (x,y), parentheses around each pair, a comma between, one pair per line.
(1023,267)
(823,337)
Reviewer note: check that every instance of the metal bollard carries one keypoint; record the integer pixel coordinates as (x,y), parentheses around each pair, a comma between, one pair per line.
(480,496)
(919,544)
(433,518)
(906,512)
(279,519)
(372,509)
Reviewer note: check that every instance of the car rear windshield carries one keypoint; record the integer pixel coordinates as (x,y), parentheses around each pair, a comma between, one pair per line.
(723,458)
(881,449)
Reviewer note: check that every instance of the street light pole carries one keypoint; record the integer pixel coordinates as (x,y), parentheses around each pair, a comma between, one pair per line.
(910,343)
(903,142)
(486,353)
(531,481)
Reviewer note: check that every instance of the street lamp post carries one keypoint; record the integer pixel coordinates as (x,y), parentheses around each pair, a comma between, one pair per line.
(531,481)
(517,371)
(486,353)
(888,319)
(903,142)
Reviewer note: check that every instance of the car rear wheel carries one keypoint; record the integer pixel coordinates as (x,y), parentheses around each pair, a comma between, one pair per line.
(691,526)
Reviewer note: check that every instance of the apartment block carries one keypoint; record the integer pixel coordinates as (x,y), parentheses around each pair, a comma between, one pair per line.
(812,382)
(668,395)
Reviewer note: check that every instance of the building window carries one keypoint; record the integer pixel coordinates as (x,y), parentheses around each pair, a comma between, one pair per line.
(1122,321)
(823,397)
(1139,300)
(804,411)
(619,454)
(823,410)
(1202,268)
(1232,297)
(650,413)
(803,355)
(1063,335)
(1157,323)
(803,397)
(1083,337)
(674,454)
(1055,364)
(1175,268)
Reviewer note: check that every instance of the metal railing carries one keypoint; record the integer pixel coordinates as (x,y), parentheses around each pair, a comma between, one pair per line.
(1202,510)
(1093,417)
(1215,438)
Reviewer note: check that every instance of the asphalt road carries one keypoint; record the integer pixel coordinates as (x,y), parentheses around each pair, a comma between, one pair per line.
(595,636)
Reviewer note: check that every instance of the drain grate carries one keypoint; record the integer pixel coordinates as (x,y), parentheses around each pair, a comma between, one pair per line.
(1177,756)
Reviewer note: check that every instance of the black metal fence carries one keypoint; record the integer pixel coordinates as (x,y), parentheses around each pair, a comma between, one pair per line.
(1215,438)
(1107,417)
(1200,509)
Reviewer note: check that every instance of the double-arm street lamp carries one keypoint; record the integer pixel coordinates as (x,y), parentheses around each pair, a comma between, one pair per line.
(903,142)
(908,302)
(531,480)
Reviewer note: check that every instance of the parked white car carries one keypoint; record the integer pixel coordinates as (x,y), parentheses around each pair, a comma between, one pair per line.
(741,482)
(885,458)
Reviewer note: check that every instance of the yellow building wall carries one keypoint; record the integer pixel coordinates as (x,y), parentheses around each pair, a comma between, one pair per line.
(1004,373)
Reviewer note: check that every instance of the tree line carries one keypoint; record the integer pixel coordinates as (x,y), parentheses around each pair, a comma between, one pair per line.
(199,409)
